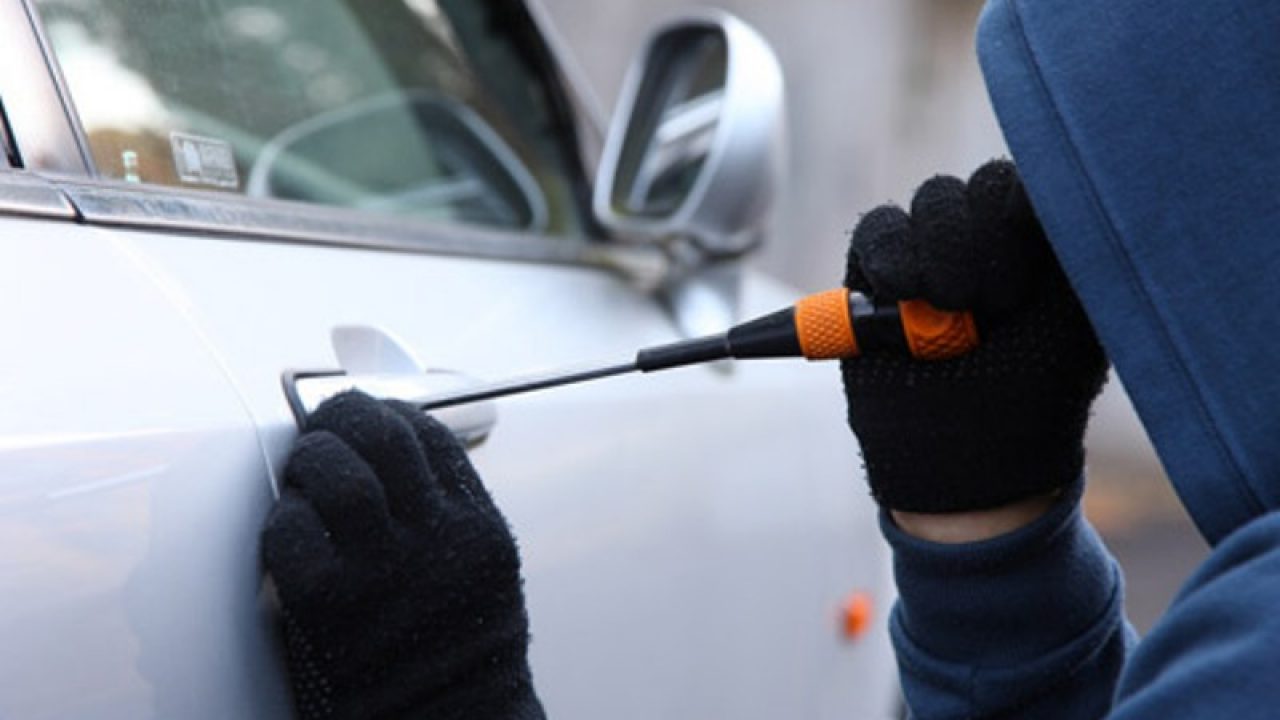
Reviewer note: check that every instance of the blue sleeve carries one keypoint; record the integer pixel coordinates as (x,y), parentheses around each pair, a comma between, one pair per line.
(1216,651)
(1029,624)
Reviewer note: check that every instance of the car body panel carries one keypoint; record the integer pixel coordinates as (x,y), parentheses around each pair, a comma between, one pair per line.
(132,485)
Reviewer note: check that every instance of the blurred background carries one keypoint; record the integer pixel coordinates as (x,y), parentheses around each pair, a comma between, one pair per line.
(882,95)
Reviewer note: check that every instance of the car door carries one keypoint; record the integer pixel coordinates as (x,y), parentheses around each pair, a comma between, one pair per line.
(132,485)
(383,189)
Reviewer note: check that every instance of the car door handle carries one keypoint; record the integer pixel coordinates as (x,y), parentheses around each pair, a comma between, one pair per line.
(471,423)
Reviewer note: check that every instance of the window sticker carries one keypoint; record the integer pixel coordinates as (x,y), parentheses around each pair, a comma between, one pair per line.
(204,161)
(129,160)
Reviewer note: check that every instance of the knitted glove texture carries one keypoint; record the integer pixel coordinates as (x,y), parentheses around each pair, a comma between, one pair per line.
(999,424)
(398,578)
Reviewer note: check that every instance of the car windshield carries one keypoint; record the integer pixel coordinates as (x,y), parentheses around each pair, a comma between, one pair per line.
(431,108)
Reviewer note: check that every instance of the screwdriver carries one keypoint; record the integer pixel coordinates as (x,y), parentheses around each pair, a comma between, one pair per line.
(834,324)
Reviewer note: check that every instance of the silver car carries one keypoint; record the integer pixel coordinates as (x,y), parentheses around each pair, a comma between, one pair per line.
(214,214)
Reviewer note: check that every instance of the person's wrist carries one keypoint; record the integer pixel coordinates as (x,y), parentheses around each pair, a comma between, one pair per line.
(974,525)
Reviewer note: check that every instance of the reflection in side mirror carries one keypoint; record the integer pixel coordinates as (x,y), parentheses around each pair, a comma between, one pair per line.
(668,145)
(697,144)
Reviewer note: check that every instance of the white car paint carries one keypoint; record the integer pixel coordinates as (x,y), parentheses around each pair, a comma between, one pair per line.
(132,486)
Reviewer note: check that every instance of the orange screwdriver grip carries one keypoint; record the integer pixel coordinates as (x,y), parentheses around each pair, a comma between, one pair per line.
(934,334)
(826,328)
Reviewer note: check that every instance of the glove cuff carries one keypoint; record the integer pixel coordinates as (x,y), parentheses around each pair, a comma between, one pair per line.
(969,478)
(965,451)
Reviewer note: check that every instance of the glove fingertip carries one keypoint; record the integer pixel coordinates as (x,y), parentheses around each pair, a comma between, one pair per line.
(854,277)
(432,435)
(994,179)
(940,200)
(883,256)
(450,465)
(342,489)
(314,453)
(1015,248)
(345,411)
(951,258)
(294,542)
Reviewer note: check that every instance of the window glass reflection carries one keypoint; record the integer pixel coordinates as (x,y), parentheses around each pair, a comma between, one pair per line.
(418,107)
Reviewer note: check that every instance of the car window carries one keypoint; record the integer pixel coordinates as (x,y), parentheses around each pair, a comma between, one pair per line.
(421,107)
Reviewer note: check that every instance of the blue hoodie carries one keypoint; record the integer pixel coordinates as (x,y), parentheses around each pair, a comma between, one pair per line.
(1148,135)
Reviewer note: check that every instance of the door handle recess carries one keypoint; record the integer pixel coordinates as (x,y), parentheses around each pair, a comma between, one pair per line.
(471,423)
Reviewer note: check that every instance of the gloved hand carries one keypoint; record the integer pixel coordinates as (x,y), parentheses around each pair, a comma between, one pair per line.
(1000,424)
(398,578)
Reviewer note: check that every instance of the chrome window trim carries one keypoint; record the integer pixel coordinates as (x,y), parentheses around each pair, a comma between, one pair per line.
(44,125)
(8,151)
(120,204)
(25,194)
(6,142)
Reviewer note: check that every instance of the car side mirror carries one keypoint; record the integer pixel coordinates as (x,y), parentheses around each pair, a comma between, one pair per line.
(697,144)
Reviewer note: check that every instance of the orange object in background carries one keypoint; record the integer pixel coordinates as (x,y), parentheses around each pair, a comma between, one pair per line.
(856,615)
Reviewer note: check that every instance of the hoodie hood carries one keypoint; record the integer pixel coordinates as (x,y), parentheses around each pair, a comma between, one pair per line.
(1147,133)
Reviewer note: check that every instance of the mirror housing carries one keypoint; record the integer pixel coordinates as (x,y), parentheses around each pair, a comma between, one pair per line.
(697,145)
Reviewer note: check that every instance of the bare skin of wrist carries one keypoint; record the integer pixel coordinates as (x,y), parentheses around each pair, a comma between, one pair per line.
(974,526)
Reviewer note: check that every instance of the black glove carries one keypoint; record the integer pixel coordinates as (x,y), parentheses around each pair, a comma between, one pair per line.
(1006,421)
(399,579)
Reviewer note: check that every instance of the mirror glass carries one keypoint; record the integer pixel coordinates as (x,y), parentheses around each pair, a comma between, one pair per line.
(677,111)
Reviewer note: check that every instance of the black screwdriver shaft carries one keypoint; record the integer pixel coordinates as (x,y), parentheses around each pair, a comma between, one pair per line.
(770,336)
(525,384)
(773,335)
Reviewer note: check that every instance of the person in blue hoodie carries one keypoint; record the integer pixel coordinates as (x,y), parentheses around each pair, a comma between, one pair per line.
(1135,228)
(1142,133)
